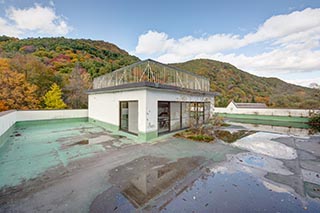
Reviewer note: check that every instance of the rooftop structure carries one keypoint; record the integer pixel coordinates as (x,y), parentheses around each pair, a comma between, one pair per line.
(149,98)
(154,72)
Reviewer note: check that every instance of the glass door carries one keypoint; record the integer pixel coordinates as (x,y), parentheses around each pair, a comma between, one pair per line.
(163,117)
(124,116)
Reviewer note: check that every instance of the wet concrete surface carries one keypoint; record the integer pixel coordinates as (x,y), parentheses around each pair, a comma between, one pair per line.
(261,172)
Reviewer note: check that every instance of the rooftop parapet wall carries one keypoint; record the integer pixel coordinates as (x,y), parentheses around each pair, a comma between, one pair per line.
(9,118)
(268,111)
(155,72)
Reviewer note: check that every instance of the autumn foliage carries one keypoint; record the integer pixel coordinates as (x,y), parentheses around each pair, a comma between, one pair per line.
(29,67)
(53,98)
(15,91)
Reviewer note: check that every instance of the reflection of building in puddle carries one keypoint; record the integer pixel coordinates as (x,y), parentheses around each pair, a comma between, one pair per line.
(153,181)
(141,180)
(275,129)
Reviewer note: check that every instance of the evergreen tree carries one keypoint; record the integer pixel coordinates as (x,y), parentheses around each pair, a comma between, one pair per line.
(53,99)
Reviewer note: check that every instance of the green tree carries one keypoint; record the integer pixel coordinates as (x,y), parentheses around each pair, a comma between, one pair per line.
(53,98)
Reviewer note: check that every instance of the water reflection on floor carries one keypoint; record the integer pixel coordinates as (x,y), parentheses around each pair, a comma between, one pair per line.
(238,192)
(278,173)
(272,171)
(142,180)
(297,130)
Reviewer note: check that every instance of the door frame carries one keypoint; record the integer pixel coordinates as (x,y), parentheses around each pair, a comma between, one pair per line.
(120,127)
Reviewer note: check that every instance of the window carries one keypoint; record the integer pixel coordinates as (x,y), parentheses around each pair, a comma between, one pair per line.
(163,117)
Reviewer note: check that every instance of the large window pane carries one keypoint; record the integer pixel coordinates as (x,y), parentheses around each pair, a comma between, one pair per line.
(207,111)
(200,113)
(163,117)
(185,115)
(175,116)
(133,117)
(193,114)
(124,116)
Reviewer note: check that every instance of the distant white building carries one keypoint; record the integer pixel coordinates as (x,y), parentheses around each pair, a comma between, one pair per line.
(233,106)
(149,98)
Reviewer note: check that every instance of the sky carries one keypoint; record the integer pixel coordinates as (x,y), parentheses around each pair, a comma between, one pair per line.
(272,38)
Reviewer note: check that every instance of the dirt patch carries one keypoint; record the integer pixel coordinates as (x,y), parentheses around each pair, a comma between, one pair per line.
(83,142)
(229,137)
(195,136)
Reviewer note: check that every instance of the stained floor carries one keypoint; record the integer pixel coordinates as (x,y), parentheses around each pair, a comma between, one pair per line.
(104,172)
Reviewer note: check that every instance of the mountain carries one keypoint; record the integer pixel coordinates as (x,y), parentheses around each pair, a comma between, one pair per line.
(61,54)
(240,86)
(29,68)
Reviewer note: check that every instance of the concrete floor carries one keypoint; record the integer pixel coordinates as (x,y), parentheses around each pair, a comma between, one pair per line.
(79,167)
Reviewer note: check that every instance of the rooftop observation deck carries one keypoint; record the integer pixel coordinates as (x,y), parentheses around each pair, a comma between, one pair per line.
(154,72)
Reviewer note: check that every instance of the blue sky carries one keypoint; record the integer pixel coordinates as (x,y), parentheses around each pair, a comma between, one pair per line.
(278,38)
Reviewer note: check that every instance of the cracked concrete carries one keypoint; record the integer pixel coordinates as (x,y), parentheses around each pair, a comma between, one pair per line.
(86,168)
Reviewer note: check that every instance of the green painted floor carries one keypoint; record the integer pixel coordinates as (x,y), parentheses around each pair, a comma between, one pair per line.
(34,147)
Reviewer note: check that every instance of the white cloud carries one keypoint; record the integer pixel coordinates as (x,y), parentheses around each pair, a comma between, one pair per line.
(153,42)
(291,43)
(305,82)
(286,25)
(39,20)
(7,29)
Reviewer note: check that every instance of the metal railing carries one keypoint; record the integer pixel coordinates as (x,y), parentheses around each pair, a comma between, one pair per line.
(152,71)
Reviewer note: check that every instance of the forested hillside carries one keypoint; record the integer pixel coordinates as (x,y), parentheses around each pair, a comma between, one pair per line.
(235,84)
(54,73)
(29,68)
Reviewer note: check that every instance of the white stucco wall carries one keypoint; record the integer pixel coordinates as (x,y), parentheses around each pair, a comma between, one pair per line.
(32,115)
(105,106)
(7,119)
(268,111)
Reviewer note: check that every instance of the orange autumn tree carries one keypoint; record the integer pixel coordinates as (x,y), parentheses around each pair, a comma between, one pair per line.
(15,91)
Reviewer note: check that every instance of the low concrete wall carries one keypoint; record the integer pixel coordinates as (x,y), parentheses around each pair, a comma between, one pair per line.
(268,111)
(33,115)
(9,118)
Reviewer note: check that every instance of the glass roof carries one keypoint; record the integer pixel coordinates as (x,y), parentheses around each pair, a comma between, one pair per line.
(155,72)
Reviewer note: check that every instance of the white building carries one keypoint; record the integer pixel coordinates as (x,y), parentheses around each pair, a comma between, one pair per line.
(233,106)
(149,98)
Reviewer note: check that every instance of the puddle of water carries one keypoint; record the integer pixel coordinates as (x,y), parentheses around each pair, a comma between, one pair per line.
(236,192)
(298,129)
(256,161)
(139,181)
